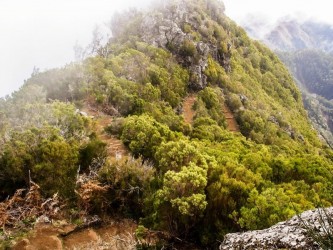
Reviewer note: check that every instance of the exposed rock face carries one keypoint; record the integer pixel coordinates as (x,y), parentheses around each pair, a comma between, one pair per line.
(164,29)
(289,234)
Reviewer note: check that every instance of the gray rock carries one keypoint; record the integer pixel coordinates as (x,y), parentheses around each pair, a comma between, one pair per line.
(163,29)
(290,234)
(243,98)
(274,120)
(43,219)
(203,49)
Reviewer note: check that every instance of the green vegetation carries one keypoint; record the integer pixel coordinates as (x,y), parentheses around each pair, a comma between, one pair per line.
(323,237)
(312,70)
(197,181)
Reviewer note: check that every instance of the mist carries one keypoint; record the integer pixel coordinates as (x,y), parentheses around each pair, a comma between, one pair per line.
(273,10)
(42,33)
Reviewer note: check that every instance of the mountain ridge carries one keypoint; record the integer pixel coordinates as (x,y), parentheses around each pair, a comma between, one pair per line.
(305,47)
(194,181)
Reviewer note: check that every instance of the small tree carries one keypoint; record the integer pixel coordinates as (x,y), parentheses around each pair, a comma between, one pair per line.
(188,49)
(182,200)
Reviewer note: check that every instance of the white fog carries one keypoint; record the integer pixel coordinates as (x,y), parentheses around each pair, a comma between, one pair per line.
(42,33)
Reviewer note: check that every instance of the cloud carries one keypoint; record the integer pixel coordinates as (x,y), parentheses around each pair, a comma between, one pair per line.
(42,33)
(238,9)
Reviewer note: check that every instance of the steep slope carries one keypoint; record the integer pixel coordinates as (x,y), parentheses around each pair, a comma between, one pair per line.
(314,69)
(313,72)
(188,108)
(305,47)
(221,64)
(192,180)
(209,59)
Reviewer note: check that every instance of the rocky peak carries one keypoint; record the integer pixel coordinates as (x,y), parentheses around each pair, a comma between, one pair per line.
(165,28)
(290,234)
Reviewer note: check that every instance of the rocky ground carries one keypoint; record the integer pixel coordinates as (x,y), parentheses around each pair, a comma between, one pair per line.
(116,234)
(296,233)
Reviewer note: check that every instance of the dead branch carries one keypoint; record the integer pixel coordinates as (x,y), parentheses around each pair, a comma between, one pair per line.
(27,205)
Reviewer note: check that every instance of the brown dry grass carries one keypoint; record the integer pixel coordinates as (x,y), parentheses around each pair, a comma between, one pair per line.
(232,124)
(188,111)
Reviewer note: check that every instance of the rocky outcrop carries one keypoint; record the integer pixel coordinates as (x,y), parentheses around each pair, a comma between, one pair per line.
(291,234)
(165,29)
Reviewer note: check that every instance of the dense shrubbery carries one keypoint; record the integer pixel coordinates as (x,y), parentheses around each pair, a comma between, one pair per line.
(130,181)
(91,152)
(42,155)
(237,177)
(210,104)
(143,134)
(46,144)
(160,78)
(198,181)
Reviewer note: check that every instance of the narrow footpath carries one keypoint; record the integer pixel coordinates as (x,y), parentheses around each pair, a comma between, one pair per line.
(232,124)
(115,147)
(188,111)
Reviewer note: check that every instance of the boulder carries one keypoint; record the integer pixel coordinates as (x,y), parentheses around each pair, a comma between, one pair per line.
(290,234)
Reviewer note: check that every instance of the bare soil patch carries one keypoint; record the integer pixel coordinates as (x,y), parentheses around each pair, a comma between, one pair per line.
(232,124)
(188,111)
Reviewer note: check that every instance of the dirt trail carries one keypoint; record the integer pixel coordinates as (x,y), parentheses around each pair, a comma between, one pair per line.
(117,235)
(188,111)
(114,235)
(115,147)
(232,124)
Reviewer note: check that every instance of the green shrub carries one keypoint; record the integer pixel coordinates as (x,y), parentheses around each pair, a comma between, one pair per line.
(129,182)
(94,150)
(271,206)
(143,134)
(188,49)
(116,127)
(174,155)
(42,155)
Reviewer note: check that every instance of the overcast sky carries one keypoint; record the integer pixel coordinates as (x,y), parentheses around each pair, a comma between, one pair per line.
(42,33)
(274,9)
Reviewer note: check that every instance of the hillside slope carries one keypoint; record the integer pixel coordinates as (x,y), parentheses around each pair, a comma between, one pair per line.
(305,47)
(313,72)
(193,179)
